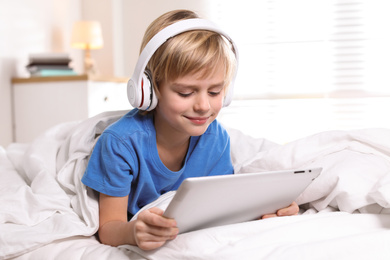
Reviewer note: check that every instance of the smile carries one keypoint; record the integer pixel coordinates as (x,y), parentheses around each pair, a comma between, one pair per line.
(198,120)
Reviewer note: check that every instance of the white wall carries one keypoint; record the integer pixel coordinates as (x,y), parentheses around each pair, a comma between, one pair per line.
(124,23)
(101,11)
(28,26)
(137,15)
(7,65)
(31,26)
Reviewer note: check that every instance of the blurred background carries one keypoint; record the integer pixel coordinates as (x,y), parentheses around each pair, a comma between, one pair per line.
(305,65)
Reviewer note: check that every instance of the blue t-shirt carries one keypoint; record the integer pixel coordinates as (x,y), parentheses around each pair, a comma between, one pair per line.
(125,160)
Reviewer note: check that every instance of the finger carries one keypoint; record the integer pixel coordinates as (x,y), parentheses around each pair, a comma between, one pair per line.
(156,225)
(268,216)
(150,237)
(293,209)
(150,245)
(156,211)
(160,212)
(154,217)
(150,233)
(163,232)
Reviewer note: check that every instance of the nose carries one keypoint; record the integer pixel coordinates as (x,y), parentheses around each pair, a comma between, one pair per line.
(202,103)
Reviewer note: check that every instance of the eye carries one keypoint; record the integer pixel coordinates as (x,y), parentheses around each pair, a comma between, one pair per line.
(184,94)
(214,93)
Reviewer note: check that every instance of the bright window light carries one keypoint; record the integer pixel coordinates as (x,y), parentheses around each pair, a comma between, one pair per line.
(307,66)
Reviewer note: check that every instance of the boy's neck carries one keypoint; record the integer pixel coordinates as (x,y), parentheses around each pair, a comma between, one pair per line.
(172,154)
(172,147)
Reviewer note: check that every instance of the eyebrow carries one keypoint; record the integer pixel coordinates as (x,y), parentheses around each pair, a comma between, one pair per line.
(191,86)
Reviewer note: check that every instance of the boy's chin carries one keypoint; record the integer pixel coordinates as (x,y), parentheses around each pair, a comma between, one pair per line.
(200,131)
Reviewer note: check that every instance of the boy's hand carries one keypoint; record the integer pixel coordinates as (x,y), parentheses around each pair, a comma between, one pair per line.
(293,209)
(151,230)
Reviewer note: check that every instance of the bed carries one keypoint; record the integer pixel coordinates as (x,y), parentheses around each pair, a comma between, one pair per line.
(46,213)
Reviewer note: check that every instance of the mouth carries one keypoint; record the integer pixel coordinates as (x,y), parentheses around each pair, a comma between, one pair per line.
(198,120)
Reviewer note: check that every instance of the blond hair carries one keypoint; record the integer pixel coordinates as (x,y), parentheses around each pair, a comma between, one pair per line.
(189,52)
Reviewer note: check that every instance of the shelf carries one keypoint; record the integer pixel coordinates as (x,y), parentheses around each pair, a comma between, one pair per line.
(68,78)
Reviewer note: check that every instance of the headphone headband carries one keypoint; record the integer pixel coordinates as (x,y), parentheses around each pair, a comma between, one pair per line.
(136,82)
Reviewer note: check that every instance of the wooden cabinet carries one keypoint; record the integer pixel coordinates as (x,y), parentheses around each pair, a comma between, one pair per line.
(40,103)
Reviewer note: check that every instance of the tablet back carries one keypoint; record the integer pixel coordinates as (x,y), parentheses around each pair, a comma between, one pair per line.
(219,200)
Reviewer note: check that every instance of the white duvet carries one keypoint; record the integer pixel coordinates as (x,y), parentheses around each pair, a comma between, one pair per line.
(46,213)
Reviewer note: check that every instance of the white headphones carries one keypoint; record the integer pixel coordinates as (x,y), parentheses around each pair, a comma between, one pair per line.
(140,90)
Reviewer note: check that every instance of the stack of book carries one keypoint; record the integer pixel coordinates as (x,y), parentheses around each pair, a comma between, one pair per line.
(49,64)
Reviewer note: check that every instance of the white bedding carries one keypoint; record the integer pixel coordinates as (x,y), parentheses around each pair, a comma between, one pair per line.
(47,213)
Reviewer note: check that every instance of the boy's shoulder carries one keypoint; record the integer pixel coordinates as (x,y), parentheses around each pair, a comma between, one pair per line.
(130,123)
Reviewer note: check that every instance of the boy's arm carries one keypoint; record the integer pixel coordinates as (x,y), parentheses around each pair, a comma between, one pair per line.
(151,230)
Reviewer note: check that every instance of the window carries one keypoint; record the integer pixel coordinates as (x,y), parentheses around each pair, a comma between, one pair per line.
(309,48)
(308,65)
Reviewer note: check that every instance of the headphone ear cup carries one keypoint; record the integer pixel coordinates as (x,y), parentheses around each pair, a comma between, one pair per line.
(149,98)
(133,93)
(154,100)
(229,95)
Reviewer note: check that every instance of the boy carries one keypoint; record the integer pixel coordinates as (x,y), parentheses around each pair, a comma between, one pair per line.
(145,154)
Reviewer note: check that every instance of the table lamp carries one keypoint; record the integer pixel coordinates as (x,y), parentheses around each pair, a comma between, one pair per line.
(87,35)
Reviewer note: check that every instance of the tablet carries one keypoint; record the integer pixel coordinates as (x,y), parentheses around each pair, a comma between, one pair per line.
(203,202)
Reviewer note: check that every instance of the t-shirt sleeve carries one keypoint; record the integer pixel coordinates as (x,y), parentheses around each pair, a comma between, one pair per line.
(110,167)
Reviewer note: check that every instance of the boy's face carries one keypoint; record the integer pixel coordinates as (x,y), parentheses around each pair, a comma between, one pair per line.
(189,104)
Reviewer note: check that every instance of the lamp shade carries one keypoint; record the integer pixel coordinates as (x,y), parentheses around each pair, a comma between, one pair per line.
(87,35)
